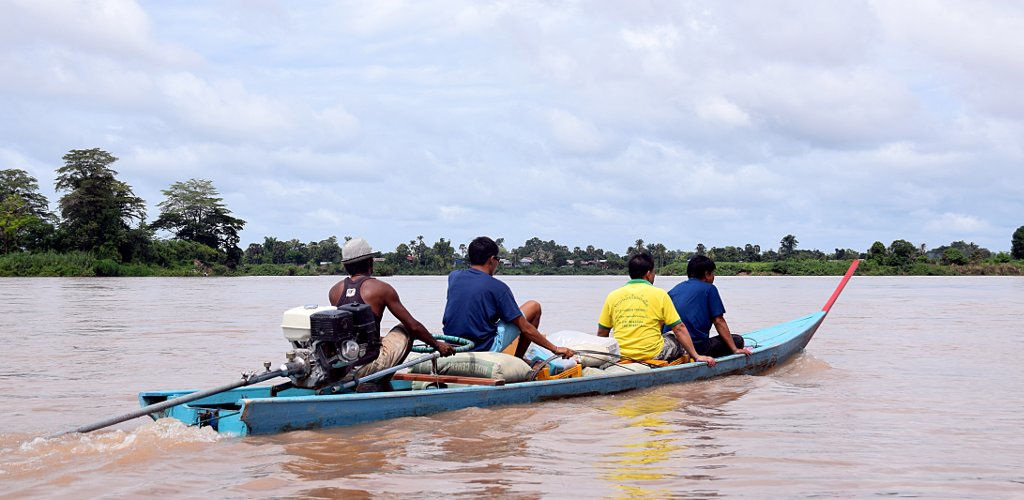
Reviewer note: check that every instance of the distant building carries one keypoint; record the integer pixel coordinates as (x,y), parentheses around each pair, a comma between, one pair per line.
(526,261)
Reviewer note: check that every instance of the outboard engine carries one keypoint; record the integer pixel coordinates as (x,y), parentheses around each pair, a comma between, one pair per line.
(330,342)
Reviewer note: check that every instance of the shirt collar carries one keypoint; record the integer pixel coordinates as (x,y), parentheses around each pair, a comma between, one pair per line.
(638,281)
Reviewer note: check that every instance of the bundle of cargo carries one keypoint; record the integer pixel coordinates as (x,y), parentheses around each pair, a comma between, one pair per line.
(484,365)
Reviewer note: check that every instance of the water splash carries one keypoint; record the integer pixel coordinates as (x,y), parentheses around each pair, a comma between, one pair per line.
(28,455)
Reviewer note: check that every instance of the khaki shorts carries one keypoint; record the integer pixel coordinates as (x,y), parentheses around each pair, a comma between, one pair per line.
(394,347)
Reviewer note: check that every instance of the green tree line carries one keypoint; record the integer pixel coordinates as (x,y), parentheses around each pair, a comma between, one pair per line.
(100,229)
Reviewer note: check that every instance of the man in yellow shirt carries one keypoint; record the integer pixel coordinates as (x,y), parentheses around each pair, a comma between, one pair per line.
(636,313)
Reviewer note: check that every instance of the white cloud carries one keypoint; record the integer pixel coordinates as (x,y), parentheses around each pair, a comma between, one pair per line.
(452,212)
(957,223)
(732,123)
(572,133)
(116,28)
(222,105)
(719,110)
(654,38)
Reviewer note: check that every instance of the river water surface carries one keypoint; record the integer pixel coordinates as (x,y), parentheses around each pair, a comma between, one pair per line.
(912,387)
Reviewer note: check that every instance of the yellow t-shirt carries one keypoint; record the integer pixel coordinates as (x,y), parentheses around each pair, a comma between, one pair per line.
(635,314)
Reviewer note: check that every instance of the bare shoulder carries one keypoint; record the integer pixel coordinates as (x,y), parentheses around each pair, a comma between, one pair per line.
(380,288)
(335,292)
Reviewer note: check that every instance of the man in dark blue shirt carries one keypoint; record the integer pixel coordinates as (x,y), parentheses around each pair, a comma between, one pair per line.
(699,305)
(482,309)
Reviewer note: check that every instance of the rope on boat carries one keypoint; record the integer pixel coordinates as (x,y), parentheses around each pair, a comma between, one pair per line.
(464,345)
(209,418)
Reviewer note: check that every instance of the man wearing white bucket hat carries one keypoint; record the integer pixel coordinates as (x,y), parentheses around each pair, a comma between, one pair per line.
(362,288)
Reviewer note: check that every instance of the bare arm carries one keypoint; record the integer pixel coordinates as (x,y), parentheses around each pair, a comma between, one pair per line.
(602,331)
(683,336)
(529,332)
(394,304)
(723,331)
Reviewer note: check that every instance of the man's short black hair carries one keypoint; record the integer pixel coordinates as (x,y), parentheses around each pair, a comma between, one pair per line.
(481,250)
(699,266)
(639,264)
(359,267)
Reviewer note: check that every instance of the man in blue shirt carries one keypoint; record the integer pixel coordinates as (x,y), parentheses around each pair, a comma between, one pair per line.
(482,309)
(699,305)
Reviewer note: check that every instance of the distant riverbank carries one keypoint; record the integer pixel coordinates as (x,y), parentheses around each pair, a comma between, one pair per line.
(84,264)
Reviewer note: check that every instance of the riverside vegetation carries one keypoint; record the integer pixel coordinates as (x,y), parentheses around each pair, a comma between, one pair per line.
(100,229)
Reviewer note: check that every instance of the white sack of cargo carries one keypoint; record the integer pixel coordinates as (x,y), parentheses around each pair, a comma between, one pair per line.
(479,364)
(580,341)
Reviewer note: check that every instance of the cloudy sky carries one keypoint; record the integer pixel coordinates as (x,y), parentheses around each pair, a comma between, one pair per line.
(587,123)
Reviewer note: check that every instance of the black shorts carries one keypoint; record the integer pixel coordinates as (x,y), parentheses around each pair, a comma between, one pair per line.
(718,348)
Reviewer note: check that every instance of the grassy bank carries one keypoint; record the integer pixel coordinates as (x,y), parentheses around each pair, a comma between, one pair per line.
(84,264)
(79,264)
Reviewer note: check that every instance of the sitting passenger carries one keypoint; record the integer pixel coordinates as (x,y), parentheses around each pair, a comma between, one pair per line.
(636,313)
(482,309)
(362,288)
(699,305)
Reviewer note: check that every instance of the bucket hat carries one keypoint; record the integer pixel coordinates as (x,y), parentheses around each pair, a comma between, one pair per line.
(355,250)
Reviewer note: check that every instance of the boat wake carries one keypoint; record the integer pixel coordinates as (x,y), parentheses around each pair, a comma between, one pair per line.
(25,454)
(801,365)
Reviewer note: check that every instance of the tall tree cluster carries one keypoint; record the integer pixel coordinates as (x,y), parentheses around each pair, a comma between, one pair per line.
(97,210)
(193,211)
(100,213)
(26,222)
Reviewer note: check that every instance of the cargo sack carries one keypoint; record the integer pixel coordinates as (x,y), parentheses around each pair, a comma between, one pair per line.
(580,341)
(537,354)
(616,369)
(628,368)
(480,364)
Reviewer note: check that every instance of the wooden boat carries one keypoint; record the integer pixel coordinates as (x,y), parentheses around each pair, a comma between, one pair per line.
(251,410)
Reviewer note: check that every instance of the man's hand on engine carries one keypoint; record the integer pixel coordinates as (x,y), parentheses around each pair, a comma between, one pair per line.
(443,348)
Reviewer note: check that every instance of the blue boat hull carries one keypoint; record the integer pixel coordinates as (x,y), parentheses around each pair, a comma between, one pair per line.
(250,410)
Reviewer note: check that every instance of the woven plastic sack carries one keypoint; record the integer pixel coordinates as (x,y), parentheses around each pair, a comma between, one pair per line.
(578,341)
(480,364)
(536,354)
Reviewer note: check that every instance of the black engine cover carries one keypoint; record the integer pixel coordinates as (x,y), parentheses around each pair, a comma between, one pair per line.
(331,330)
(334,326)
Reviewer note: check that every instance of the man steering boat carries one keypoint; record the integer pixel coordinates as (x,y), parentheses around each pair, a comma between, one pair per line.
(362,288)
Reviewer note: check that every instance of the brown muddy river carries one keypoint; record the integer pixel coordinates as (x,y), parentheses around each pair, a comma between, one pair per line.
(913,387)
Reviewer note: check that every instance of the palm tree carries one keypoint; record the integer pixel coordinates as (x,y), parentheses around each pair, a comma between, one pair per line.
(658,251)
(637,247)
(787,245)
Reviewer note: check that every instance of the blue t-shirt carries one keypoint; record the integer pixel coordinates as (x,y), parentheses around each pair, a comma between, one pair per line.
(476,302)
(697,303)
